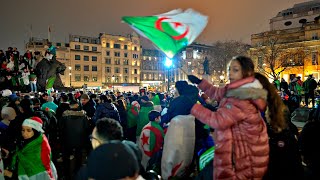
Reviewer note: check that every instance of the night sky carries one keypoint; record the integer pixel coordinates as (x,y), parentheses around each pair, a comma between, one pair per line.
(228,19)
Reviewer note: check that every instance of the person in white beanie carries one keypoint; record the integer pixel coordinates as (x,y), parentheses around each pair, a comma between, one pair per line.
(6,93)
(7,114)
(32,161)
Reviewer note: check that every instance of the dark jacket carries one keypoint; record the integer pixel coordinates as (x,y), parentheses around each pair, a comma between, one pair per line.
(15,127)
(74,129)
(90,108)
(178,106)
(61,108)
(106,110)
(284,85)
(307,142)
(45,119)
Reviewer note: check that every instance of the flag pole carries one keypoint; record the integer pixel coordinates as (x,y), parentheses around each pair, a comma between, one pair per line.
(49,34)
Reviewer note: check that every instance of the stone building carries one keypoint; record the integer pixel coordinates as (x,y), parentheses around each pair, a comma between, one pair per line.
(293,28)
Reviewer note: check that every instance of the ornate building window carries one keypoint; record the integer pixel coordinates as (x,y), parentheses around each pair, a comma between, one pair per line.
(314,58)
(77,77)
(86,78)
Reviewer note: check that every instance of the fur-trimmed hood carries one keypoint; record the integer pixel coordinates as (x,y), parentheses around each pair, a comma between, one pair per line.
(251,91)
(74,113)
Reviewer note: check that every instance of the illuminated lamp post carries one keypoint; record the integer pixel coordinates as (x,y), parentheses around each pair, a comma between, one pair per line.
(168,64)
(113,78)
(70,76)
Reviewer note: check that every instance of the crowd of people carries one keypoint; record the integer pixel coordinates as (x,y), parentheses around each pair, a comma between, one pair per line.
(18,71)
(239,131)
(30,72)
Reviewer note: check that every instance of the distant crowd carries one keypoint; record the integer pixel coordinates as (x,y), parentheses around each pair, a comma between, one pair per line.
(18,71)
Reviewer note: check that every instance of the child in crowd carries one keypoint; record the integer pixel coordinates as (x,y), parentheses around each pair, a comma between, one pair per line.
(151,139)
(242,147)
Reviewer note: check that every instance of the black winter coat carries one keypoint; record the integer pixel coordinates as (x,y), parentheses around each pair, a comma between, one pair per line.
(74,127)
(106,110)
(90,108)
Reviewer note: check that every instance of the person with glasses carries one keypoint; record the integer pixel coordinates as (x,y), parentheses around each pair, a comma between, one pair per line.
(108,130)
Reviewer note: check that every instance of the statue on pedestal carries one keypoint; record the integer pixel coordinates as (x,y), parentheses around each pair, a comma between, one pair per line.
(48,72)
(206,66)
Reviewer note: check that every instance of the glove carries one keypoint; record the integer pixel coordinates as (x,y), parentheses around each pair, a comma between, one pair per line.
(194,79)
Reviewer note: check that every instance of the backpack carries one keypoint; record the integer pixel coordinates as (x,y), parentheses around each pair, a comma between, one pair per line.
(284,157)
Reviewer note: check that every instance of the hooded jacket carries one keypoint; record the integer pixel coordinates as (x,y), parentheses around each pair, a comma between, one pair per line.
(242,149)
(108,110)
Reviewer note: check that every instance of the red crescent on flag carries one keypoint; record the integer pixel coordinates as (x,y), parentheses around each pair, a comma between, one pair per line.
(159,27)
(159,21)
(182,35)
(175,169)
(158,140)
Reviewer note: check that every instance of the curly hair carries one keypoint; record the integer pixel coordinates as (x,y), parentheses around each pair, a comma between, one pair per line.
(275,113)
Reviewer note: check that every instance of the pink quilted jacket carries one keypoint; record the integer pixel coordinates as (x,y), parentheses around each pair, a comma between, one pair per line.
(242,149)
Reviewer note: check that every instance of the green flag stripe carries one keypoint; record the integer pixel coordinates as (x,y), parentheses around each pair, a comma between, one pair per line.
(163,40)
(50,82)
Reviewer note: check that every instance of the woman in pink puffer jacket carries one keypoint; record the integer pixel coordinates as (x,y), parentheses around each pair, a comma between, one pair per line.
(242,148)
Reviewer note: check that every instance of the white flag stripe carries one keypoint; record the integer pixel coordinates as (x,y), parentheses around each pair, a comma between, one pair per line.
(194,20)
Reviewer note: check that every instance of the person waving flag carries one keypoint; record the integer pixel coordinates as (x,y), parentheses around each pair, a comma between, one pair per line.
(171,31)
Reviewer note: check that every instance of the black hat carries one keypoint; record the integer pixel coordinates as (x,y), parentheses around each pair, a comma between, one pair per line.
(146,98)
(181,86)
(113,160)
(25,104)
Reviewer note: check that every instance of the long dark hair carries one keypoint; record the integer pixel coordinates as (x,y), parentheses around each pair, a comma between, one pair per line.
(275,114)
(246,64)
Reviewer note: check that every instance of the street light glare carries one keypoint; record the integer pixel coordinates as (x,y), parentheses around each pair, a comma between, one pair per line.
(168,62)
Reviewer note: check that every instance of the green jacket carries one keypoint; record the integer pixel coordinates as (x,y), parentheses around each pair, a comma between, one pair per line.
(143,116)
(133,115)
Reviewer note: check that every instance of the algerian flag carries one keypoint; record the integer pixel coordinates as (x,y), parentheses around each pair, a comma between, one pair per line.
(151,140)
(1,169)
(50,82)
(178,148)
(34,160)
(171,31)
(156,103)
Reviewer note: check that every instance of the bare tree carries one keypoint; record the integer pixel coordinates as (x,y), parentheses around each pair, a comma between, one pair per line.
(274,57)
(222,52)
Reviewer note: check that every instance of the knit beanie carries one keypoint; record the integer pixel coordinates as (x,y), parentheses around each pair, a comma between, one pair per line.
(35,123)
(8,113)
(146,98)
(6,93)
(112,160)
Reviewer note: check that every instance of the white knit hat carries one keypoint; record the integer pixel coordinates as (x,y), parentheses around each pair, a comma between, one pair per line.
(8,113)
(6,93)
(34,122)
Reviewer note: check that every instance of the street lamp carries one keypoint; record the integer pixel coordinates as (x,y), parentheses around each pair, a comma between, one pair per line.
(70,76)
(168,63)
(221,79)
(113,82)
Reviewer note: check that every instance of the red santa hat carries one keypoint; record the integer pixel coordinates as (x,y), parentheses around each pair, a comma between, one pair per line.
(34,122)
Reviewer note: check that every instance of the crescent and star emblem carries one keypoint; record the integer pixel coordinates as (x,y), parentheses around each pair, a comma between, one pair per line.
(145,139)
(158,25)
